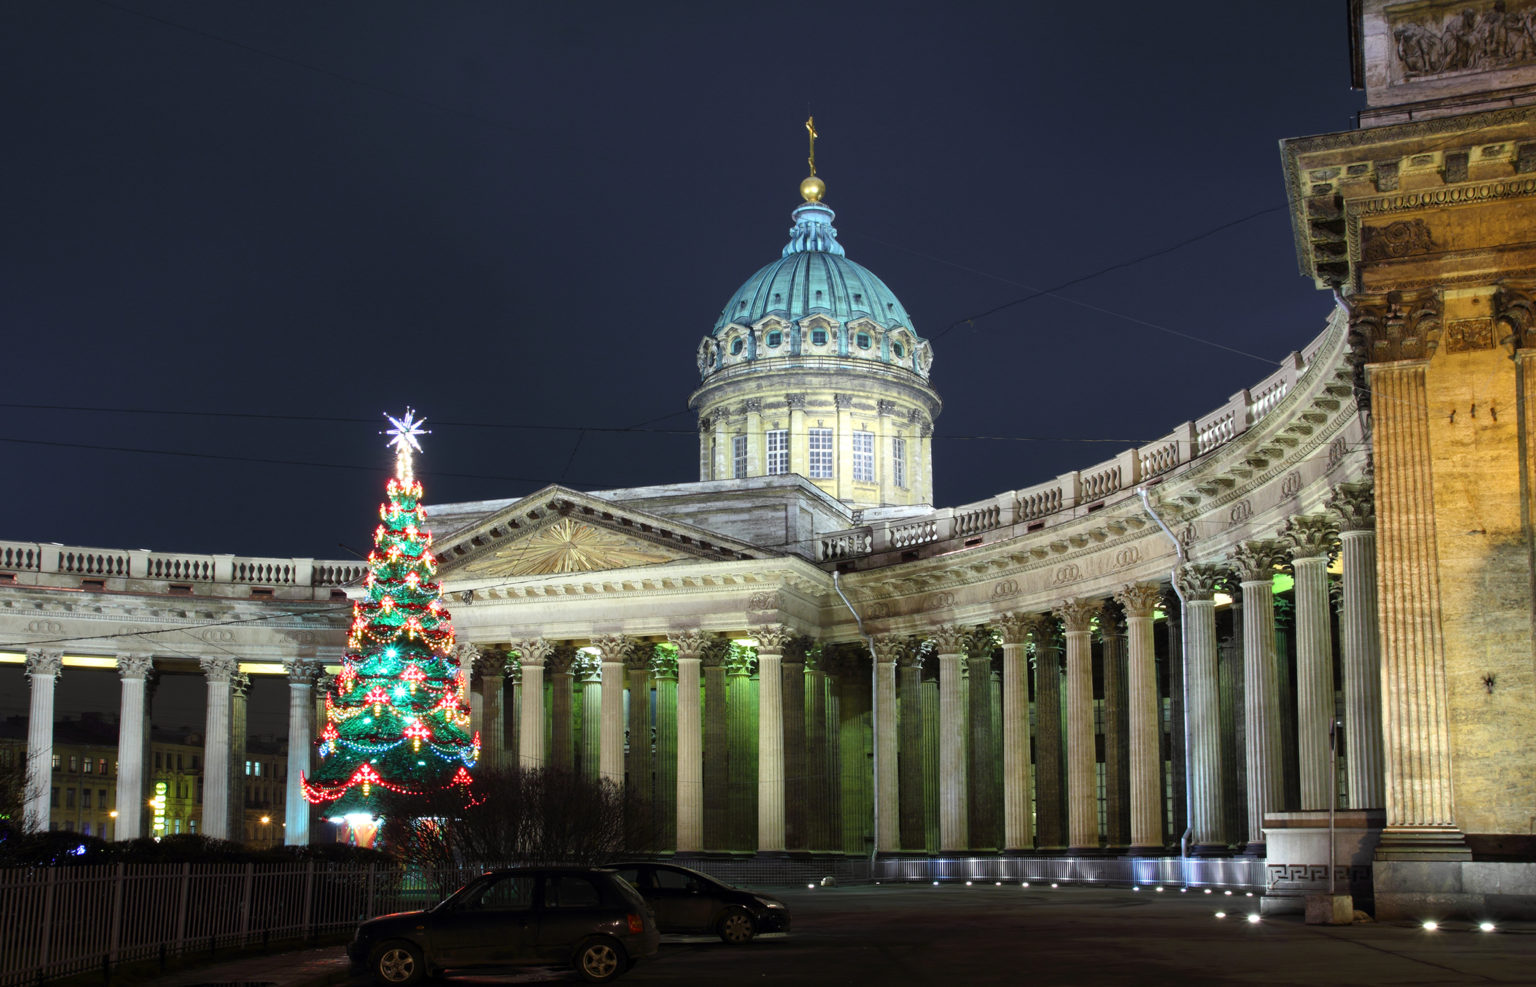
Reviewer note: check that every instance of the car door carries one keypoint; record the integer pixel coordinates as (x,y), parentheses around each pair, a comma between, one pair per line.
(682,902)
(571,910)
(493,924)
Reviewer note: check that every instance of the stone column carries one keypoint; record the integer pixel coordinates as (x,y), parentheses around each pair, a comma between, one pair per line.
(560,668)
(741,747)
(665,797)
(1254,562)
(1018,828)
(1143,719)
(239,693)
(1311,538)
(302,673)
(220,672)
(1117,792)
(908,653)
(1175,760)
(1197,581)
(1050,787)
(492,667)
(588,674)
(819,757)
(949,639)
(770,737)
(530,741)
(1355,507)
(637,760)
(796,787)
(981,807)
(888,650)
(610,762)
(43,668)
(1082,788)
(717,777)
(133,669)
(690,750)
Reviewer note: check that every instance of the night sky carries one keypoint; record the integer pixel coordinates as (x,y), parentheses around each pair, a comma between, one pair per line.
(237,232)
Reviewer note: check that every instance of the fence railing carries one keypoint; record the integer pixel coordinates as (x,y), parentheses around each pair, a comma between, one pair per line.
(84,918)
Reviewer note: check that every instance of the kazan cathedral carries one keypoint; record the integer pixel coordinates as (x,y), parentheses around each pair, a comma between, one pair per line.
(1169,665)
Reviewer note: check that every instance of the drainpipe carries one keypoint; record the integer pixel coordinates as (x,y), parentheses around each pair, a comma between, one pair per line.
(1178,547)
(874,716)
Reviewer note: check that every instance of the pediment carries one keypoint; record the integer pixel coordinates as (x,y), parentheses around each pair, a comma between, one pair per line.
(559,531)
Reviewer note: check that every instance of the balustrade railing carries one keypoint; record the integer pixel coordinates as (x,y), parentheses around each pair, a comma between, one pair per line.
(1032,505)
(101,563)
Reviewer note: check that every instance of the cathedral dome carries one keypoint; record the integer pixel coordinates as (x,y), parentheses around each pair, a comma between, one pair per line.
(813,277)
(814,368)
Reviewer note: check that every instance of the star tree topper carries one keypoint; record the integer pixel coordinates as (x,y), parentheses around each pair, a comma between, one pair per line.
(407,428)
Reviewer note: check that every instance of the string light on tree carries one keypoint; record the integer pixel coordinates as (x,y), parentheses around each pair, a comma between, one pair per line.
(397,716)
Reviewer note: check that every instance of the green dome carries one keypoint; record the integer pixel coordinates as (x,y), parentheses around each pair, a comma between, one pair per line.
(813,277)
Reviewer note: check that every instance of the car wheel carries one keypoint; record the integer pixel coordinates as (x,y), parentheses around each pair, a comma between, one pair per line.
(600,960)
(736,926)
(397,962)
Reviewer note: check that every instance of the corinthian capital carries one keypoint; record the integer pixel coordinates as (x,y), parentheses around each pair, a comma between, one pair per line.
(533,651)
(1076,614)
(1139,599)
(1397,325)
(43,661)
(895,647)
(1254,561)
(138,666)
(771,638)
(949,639)
(219,668)
(1198,580)
(1310,535)
(1014,627)
(641,656)
(1354,504)
(562,658)
(613,647)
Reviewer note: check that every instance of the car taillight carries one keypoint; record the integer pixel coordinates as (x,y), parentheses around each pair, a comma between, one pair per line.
(636,923)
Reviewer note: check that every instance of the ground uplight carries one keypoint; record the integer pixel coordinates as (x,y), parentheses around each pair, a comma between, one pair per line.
(1253,918)
(1485,926)
(1221,914)
(1431,925)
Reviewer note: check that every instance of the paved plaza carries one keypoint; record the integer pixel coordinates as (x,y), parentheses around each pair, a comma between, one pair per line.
(1038,935)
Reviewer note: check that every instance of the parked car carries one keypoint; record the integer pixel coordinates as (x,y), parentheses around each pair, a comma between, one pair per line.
(586,918)
(688,901)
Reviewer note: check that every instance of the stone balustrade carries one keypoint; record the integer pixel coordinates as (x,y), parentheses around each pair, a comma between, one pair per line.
(1069,495)
(76,567)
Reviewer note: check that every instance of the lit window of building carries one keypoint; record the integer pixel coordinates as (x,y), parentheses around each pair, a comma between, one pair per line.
(778,451)
(899,462)
(863,457)
(820,448)
(738,461)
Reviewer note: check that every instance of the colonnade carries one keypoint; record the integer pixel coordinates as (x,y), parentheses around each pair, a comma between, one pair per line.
(933,747)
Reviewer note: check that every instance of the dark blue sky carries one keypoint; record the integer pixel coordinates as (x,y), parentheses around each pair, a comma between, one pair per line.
(515,216)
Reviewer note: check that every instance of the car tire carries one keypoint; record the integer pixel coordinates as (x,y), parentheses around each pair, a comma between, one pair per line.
(397,963)
(736,926)
(600,960)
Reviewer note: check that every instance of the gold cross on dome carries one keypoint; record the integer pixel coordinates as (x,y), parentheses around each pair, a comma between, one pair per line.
(810,126)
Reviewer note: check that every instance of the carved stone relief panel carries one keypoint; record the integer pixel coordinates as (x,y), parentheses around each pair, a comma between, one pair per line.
(1458,37)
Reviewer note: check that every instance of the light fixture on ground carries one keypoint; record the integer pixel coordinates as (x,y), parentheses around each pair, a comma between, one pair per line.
(1253,918)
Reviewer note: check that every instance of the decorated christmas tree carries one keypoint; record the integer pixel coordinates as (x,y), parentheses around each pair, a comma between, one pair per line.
(397,717)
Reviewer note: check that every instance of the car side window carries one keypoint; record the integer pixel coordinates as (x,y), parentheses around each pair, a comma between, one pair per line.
(507,894)
(631,875)
(570,892)
(672,880)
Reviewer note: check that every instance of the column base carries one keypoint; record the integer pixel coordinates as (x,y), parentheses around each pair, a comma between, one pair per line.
(1256,849)
(1423,843)
(1210,850)
(1146,851)
(1090,851)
